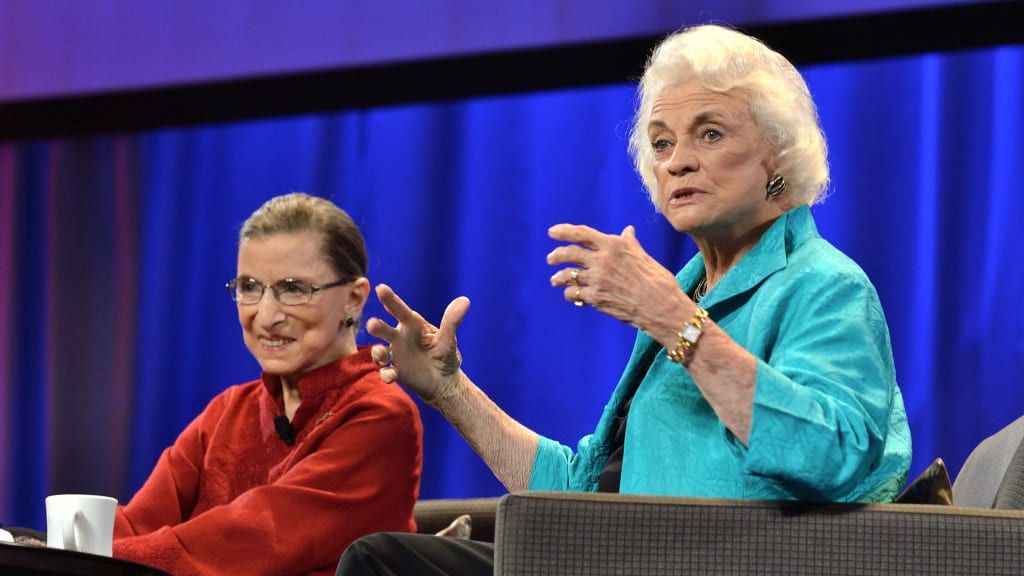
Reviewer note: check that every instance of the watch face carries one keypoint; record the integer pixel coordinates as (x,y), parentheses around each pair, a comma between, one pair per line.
(690,333)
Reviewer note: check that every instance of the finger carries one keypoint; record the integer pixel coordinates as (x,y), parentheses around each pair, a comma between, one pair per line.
(576,295)
(395,305)
(576,233)
(380,354)
(629,237)
(389,374)
(380,329)
(454,314)
(573,253)
(566,277)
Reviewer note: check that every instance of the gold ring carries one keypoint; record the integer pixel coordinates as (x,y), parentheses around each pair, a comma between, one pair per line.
(574,277)
(577,300)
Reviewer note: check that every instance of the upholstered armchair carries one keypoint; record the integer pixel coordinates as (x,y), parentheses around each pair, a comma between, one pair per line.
(586,534)
(569,534)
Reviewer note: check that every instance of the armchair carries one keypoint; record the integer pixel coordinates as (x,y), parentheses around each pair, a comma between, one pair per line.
(568,534)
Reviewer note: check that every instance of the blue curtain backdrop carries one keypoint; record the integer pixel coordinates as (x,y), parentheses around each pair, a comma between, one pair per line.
(115,329)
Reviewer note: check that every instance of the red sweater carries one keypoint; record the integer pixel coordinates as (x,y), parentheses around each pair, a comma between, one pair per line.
(230,497)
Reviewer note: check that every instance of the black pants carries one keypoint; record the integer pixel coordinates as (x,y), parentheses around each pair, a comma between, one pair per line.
(404,554)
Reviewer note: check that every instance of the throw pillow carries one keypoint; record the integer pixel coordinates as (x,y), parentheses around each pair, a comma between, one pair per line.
(930,487)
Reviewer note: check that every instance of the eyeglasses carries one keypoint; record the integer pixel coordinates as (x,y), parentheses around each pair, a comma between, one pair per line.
(289,292)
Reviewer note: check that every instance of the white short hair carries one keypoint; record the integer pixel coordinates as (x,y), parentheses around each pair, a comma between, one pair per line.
(721,59)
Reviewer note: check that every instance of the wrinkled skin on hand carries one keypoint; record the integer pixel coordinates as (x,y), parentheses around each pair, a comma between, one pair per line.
(615,275)
(425,358)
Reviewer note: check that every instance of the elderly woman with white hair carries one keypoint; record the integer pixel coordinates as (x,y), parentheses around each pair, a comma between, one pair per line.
(762,370)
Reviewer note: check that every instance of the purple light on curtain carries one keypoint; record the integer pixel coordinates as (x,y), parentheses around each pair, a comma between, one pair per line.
(52,292)
(125,289)
(7,155)
(55,47)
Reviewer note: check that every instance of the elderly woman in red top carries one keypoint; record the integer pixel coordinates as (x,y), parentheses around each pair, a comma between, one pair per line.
(278,475)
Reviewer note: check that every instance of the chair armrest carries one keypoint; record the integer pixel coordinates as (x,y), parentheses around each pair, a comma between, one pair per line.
(434,514)
(569,534)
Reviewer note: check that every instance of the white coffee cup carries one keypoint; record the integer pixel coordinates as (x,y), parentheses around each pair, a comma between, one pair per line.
(80,522)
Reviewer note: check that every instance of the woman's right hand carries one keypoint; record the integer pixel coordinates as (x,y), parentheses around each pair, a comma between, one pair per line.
(426,359)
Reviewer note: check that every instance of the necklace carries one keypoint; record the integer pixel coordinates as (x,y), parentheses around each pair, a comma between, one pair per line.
(701,290)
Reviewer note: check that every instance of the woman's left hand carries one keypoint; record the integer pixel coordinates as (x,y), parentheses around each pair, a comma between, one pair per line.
(614,274)
(429,357)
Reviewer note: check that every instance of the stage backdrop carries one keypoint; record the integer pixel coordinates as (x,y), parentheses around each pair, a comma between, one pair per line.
(115,329)
(57,48)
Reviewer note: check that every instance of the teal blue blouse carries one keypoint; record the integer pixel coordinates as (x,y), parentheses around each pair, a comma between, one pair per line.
(828,418)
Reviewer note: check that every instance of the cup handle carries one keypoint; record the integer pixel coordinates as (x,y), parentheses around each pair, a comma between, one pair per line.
(69,532)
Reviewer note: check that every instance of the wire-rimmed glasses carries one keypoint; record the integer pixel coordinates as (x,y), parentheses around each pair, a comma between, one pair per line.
(289,292)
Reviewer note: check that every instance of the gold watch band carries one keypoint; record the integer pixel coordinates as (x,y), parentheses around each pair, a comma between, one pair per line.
(688,336)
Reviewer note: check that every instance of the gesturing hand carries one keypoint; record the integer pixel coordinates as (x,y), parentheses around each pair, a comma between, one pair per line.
(614,274)
(426,359)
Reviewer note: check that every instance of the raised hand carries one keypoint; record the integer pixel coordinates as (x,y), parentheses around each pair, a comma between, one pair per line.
(423,357)
(614,274)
